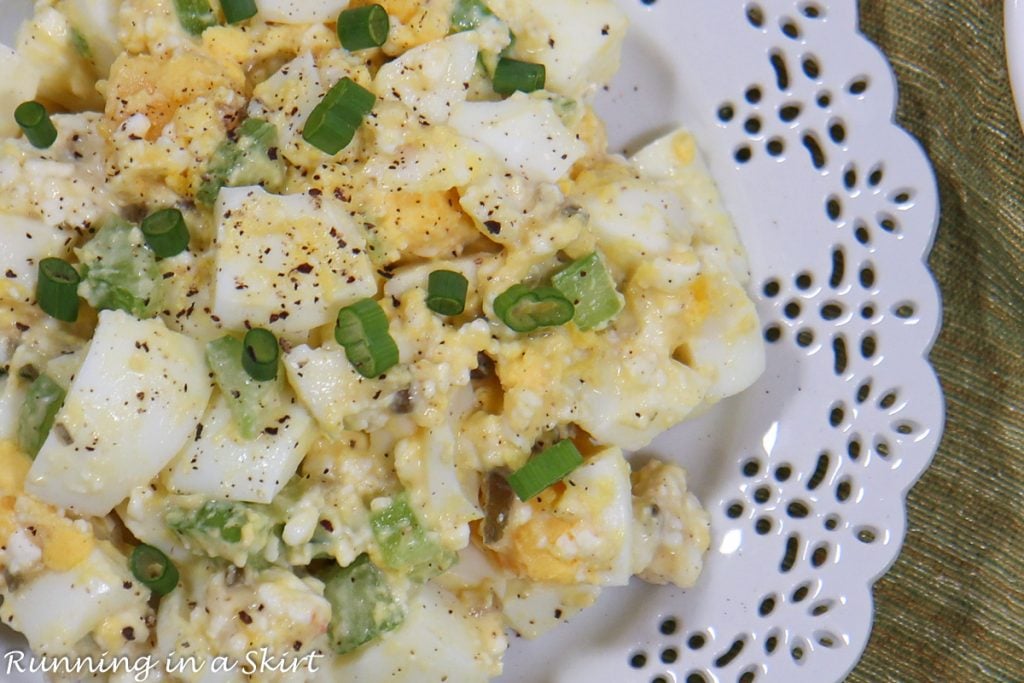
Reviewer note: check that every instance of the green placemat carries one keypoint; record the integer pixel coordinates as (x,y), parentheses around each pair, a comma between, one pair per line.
(952,607)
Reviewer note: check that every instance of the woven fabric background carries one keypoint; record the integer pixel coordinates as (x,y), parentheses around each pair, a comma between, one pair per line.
(952,607)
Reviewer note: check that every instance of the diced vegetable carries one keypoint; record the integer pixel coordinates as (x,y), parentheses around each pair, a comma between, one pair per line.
(154,569)
(497,501)
(216,518)
(118,271)
(544,469)
(252,403)
(195,15)
(404,544)
(512,75)
(166,232)
(446,292)
(333,122)
(587,283)
(250,159)
(524,309)
(260,353)
(35,123)
(221,528)
(236,11)
(362,329)
(57,289)
(363,27)
(80,44)
(363,605)
(467,15)
(35,420)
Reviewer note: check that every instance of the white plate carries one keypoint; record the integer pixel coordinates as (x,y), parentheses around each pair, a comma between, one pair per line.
(1014,30)
(805,473)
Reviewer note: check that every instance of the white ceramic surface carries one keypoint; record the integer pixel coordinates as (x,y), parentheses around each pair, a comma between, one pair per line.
(804,474)
(1014,29)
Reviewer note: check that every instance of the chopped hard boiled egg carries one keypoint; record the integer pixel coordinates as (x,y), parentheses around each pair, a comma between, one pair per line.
(218,462)
(286,262)
(524,132)
(134,402)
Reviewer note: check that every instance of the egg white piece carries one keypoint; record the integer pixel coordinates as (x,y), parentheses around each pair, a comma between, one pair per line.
(525,132)
(425,464)
(220,463)
(133,404)
(634,219)
(14,91)
(286,262)
(338,396)
(578,41)
(432,78)
(57,609)
(27,242)
(440,640)
(300,11)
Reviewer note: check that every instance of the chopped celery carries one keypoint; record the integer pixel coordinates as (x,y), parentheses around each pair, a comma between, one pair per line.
(81,45)
(220,528)
(467,15)
(404,544)
(216,518)
(44,399)
(195,15)
(253,404)
(363,606)
(587,283)
(250,159)
(118,270)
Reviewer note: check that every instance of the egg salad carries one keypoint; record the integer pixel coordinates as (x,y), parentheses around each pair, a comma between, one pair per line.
(327,327)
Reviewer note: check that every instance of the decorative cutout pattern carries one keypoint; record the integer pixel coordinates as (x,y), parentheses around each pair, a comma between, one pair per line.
(806,476)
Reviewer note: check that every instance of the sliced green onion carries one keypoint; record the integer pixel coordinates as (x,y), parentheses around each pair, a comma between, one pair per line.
(512,75)
(587,283)
(446,292)
(57,289)
(166,232)
(238,10)
(524,309)
(154,569)
(259,354)
(35,123)
(195,16)
(544,469)
(363,27)
(332,124)
(326,131)
(363,330)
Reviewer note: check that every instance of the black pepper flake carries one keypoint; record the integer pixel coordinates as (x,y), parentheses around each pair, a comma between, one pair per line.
(274,317)
(128,633)
(272,431)
(244,616)
(305,268)
(493,227)
(326,524)
(10,273)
